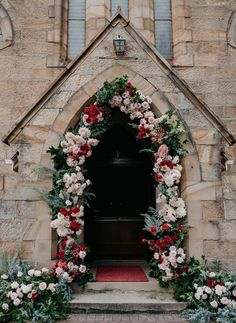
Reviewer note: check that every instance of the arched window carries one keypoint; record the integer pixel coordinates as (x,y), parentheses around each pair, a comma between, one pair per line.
(163,27)
(124,4)
(76,27)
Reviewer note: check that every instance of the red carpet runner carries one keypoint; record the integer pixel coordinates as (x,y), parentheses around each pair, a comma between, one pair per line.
(120,274)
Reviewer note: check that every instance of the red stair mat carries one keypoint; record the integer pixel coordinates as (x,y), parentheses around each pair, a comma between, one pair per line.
(120,274)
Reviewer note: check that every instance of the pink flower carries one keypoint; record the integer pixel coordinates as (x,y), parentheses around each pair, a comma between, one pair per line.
(162,151)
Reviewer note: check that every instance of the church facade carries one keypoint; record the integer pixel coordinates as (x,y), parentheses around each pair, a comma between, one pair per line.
(55,55)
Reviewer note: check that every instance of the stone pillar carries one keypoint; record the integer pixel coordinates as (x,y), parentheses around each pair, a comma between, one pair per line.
(97,14)
(141,15)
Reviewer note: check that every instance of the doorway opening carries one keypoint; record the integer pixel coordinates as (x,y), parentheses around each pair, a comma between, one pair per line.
(124,188)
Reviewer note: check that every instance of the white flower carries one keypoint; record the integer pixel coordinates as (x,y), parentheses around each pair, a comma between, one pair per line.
(204,296)
(197,296)
(200,290)
(68,202)
(82,268)
(19,274)
(37,273)
(59,270)
(84,132)
(82,254)
(224,301)
(212,274)
(31,272)
(42,286)
(5,306)
(4,276)
(14,285)
(51,287)
(195,286)
(179,260)
(214,304)
(156,256)
(16,301)
(234,292)
(45,270)
(25,288)
(208,290)
(13,295)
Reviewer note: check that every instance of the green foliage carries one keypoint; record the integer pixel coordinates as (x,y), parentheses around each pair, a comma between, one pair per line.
(200,315)
(109,89)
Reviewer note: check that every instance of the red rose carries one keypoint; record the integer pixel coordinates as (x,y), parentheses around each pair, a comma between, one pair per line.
(168,239)
(143,240)
(180,228)
(151,243)
(153,230)
(219,283)
(74,225)
(185,268)
(34,295)
(75,209)
(63,211)
(174,236)
(131,93)
(210,283)
(158,177)
(60,254)
(165,227)
(84,149)
(129,84)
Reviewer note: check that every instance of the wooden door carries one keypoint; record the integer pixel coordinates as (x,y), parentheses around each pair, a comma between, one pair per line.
(121,179)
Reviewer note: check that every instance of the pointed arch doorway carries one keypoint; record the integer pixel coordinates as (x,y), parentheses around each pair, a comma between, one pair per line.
(124,188)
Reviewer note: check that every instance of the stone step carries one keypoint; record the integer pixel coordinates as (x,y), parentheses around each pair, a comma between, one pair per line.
(124,302)
(150,286)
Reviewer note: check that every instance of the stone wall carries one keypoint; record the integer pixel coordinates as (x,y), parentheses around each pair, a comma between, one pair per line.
(202,58)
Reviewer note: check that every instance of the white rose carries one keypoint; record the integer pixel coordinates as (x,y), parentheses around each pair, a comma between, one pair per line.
(204,296)
(212,274)
(4,276)
(179,260)
(214,304)
(5,306)
(59,270)
(25,289)
(45,270)
(156,256)
(14,285)
(31,272)
(14,295)
(208,290)
(42,286)
(82,254)
(234,292)
(68,202)
(19,274)
(224,301)
(51,287)
(82,268)
(16,301)
(197,296)
(37,273)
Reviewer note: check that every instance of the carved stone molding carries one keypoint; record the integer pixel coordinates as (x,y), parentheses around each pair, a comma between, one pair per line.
(231,32)
(6,25)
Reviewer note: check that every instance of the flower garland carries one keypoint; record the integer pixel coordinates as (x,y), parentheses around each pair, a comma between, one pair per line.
(165,226)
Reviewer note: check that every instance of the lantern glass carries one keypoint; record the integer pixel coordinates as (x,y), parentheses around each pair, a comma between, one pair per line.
(119,46)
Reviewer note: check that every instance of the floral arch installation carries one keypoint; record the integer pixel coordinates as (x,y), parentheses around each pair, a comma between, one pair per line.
(71,190)
(211,291)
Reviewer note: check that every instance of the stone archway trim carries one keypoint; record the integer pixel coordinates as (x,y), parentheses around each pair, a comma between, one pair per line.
(153,54)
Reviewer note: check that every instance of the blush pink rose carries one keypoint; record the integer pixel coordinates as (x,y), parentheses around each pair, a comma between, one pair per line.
(162,151)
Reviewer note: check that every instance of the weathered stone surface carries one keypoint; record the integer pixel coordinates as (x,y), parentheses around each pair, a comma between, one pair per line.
(7,209)
(227,230)
(212,210)
(230,209)
(10,230)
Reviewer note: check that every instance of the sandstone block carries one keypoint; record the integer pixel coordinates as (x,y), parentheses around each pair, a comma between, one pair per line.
(7,209)
(212,210)
(230,209)
(210,171)
(227,230)
(203,191)
(205,136)
(10,230)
